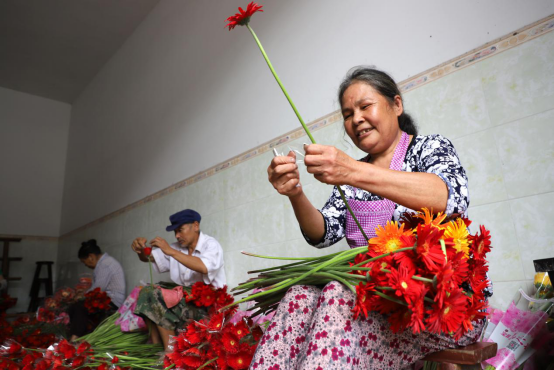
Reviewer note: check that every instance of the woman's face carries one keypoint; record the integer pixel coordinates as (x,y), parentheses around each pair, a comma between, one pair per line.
(369,119)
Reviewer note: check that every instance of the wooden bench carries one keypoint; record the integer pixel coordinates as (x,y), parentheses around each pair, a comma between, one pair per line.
(465,358)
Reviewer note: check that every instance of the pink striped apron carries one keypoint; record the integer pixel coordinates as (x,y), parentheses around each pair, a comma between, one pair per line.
(370,214)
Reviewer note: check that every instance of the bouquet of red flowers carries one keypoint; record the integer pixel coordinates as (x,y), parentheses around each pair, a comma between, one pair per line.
(215,343)
(96,301)
(204,295)
(426,273)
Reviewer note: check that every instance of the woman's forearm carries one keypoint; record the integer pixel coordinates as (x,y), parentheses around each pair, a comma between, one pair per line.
(309,218)
(413,190)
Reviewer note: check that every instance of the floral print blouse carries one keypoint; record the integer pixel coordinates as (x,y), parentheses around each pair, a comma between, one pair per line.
(432,154)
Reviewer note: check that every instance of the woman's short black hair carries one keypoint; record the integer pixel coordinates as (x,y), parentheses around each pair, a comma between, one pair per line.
(384,85)
(89,247)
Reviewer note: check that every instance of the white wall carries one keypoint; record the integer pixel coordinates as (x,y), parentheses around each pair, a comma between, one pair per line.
(33,134)
(184,94)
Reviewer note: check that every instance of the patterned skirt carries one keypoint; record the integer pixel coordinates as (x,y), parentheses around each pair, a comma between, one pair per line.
(314,329)
(151,305)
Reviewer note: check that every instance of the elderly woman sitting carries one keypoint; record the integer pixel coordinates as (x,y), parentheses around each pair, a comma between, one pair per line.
(402,171)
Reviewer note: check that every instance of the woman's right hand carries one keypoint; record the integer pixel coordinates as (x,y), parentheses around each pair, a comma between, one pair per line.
(284,176)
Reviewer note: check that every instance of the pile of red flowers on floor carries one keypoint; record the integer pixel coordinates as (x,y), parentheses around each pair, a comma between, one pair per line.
(29,331)
(204,295)
(96,300)
(437,283)
(62,355)
(215,343)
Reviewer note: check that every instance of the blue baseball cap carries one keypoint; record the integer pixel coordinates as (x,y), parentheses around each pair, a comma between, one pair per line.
(187,216)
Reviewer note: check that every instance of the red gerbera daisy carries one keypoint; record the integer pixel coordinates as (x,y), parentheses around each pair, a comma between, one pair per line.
(208,297)
(460,265)
(477,272)
(230,342)
(403,284)
(242,18)
(216,322)
(242,359)
(418,312)
(449,317)
(428,248)
(445,283)
(240,329)
(365,299)
(400,319)
(475,312)
(481,243)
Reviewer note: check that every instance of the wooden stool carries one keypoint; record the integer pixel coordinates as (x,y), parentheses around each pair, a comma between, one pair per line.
(35,288)
(466,358)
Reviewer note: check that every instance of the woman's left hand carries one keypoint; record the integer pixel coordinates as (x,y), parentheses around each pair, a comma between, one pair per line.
(329,164)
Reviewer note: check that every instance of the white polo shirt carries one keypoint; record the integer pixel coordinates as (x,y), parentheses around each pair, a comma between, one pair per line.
(207,249)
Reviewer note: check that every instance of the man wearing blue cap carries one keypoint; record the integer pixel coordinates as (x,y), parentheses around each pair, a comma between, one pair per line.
(194,257)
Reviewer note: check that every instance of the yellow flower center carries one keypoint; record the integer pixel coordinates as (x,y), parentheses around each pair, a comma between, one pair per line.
(232,342)
(393,245)
(446,310)
(240,361)
(404,285)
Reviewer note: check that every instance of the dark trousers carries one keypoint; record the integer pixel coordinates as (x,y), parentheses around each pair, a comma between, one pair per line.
(81,322)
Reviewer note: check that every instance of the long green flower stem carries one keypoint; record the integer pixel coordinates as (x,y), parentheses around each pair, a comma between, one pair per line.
(150,265)
(300,119)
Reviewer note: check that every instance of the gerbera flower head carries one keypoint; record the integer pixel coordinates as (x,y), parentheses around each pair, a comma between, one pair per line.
(240,329)
(230,342)
(403,284)
(428,248)
(400,319)
(461,266)
(208,296)
(457,231)
(216,322)
(481,243)
(365,299)
(242,359)
(449,317)
(430,219)
(477,273)
(444,283)
(389,238)
(417,310)
(243,17)
(195,334)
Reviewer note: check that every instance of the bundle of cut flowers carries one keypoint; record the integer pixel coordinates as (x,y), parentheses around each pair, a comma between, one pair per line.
(218,340)
(215,343)
(105,348)
(97,301)
(427,273)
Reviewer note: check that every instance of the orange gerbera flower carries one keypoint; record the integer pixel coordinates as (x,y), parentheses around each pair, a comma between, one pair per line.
(389,238)
(457,231)
(427,217)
